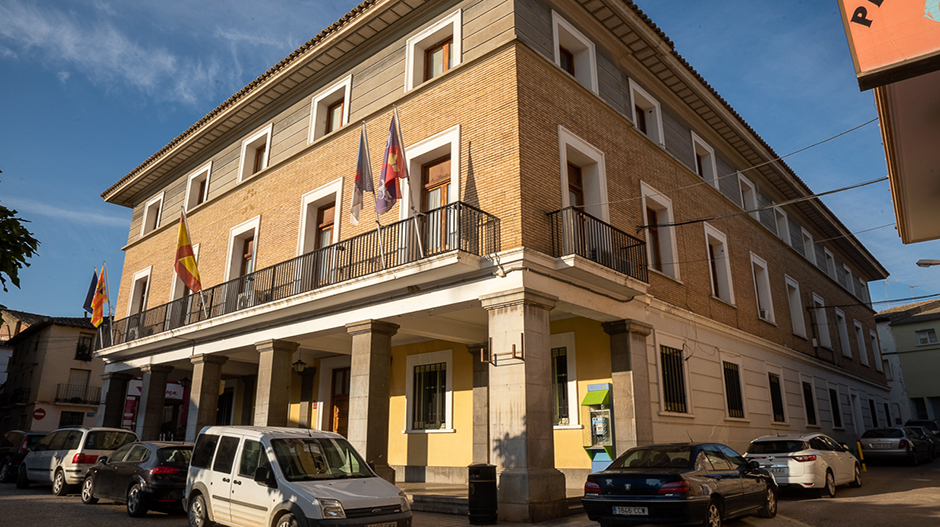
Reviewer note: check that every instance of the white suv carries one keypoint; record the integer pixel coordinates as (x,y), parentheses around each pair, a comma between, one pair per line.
(286,477)
(812,461)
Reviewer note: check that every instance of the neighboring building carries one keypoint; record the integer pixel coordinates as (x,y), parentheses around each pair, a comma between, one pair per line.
(552,146)
(53,377)
(915,357)
(11,324)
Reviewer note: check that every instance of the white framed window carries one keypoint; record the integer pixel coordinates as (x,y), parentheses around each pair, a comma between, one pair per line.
(830,264)
(445,144)
(673,375)
(661,247)
(822,321)
(860,338)
(926,337)
(565,400)
(849,279)
(748,196)
(647,114)
(197,186)
(580,159)
(311,204)
(242,254)
(843,333)
(433,51)
(783,225)
(140,291)
(796,306)
(809,248)
(765,303)
(429,392)
(808,387)
(574,52)
(329,110)
(875,350)
(153,212)
(719,264)
(255,153)
(835,407)
(703,155)
(732,374)
(777,389)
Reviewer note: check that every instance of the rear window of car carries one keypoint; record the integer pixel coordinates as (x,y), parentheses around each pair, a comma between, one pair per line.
(926,424)
(108,439)
(176,457)
(10,439)
(33,440)
(73,439)
(773,447)
(883,433)
(677,457)
(204,450)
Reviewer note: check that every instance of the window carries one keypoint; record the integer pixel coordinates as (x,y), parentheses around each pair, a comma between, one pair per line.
(765,305)
(748,196)
(887,414)
(253,456)
(565,401)
(242,249)
(809,402)
(204,450)
(585,160)
(673,369)
(875,350)
(330,109)
(926,336)
(860,338)
(197,187)
(255,153)
(433,51)
(647,115)
(226,454)
(849,280)
(733,394)
(140,290)
(574,52)
(71,419)
(315,232)
(874,413)
(429,386)
(843,333)
(919,408)
(822,321)
(776,398)
(83,347)
(439,147)
(660,241)
(783,225)
(152,213)
(835,408)
(796,307)
(719,264)
(830,264)
(809,248)
(704,157)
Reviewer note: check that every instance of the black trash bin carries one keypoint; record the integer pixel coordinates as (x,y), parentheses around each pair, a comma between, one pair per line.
(481,503)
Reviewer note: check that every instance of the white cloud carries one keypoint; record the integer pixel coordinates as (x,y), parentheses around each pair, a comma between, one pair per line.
(63,76)
(26,207)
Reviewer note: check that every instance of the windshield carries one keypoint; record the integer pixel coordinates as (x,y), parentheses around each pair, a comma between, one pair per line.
(677,457)
(930,425)
(108,439)
(318,458)
(884,433)
(773,447)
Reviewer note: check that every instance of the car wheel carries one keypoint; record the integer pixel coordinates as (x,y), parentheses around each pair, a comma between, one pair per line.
(59,487)
(288,520)
(198,513)
(88,492)
(857,482)
(6,472)
(712,514)
(769,510)
(136,502)
(829,491)
(22,482)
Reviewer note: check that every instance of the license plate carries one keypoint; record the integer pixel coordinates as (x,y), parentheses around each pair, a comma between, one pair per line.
(778,470)
(631,511)
(383,524)
(880,445)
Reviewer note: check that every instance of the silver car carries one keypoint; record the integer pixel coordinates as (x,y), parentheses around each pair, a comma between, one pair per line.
(898,443)
(812,461)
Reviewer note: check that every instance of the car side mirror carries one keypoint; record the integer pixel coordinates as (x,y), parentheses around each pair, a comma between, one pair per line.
(845,447)
(103,460)
(265,476)
(753,465)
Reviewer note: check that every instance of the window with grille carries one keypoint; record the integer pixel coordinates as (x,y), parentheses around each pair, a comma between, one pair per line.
(733,390)
(71,419)
(809,401)
(674,397)
(776,398)
(428,404)
(836,409)
(560,387)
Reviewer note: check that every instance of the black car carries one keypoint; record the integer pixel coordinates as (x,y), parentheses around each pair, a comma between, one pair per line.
(144,475)
(930,424)
(13,448)
(682,483)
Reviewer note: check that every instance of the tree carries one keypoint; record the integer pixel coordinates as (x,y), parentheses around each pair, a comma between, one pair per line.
(16,246)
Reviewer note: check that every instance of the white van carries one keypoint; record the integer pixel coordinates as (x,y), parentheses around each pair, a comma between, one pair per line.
(286,477)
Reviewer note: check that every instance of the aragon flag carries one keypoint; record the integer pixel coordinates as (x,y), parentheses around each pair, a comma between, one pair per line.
(185,264)
(97,303)
(393,169)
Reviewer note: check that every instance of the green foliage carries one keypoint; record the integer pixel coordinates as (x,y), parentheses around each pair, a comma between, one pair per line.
(16,246)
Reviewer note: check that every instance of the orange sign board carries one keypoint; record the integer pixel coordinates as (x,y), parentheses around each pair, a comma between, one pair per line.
(886,33)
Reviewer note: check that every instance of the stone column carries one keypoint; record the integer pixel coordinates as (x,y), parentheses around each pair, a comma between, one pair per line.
(152,401)
(204,395)
(369,392)
(481,404)
(272,395)
(111,409)
(522,442)
(630,399)
(307,397)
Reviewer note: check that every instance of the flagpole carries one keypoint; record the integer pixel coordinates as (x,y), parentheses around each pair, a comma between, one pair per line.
(411,201)
(97,328)
(365,137)
(202,296)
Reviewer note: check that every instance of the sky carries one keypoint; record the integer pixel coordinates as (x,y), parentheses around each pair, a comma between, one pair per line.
(89,89)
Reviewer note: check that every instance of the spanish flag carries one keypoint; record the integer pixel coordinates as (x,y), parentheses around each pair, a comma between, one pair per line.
(185,260)
(97,303)
(394,168)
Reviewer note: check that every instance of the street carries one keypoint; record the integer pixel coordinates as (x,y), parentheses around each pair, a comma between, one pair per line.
(890,496)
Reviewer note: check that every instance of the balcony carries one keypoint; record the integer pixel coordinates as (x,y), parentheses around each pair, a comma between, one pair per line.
(456,227)
(17,396)
(78,394)
(575,232)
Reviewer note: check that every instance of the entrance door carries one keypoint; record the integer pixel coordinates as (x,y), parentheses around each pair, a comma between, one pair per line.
(340,401)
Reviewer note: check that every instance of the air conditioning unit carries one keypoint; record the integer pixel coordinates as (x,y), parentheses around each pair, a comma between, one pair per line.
(133,333)
(245,300)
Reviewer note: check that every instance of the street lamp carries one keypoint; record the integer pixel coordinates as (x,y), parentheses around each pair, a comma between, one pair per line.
(927,263)
(299,366)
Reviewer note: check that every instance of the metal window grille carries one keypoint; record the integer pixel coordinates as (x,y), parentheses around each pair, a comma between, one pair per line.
(428,411)
(71,419)
(836,410)
(776,398)
(560,386)
(809,400)
(733,390)
(673,380)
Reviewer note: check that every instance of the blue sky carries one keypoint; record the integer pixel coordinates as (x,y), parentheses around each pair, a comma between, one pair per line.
(90,89)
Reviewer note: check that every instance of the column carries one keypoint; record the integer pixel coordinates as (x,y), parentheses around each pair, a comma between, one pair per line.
(521,435)
(204,394)
(111,409)
(481,404)
(272,395)
(152,401)
(369,392)
(630,398)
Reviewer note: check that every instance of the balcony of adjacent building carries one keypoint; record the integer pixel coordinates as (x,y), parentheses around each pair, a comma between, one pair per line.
(78,394)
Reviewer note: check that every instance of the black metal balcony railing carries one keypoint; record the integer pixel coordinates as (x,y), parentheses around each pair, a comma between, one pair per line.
(457,226)
(577,232)
(17,396)
(77,394)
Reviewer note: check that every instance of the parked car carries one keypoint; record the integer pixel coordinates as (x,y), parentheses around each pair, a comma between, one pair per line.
(898,443)
(143,475)
(930,424)
(931,438)
(702,483)
(286,477)
(63,456)
(14,446)
(812,461)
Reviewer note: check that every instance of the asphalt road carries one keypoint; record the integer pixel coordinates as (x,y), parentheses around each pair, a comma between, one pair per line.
(890,496)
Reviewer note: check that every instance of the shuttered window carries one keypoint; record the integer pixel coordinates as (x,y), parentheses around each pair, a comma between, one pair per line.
(428,410)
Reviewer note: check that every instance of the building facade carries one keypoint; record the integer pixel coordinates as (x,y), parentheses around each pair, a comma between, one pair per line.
(914,356)
(585,215)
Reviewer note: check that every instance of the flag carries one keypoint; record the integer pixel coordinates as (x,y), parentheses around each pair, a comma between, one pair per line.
(97,303)
(393,170)
(185,264)
(363,181)
(90,296)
